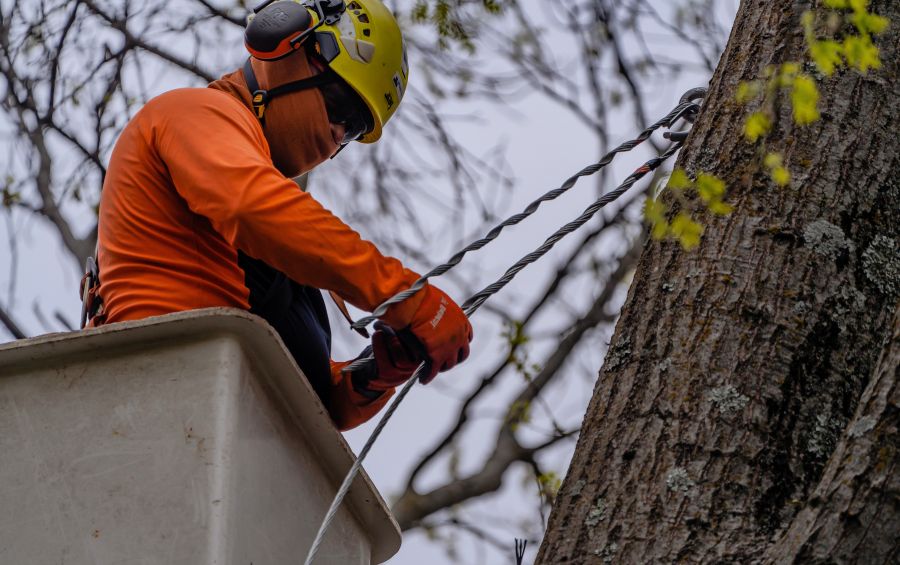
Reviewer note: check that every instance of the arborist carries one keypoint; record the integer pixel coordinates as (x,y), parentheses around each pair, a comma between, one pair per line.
(198,208)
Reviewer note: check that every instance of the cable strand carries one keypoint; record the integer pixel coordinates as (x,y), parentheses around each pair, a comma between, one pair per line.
(475,301)
(684,109)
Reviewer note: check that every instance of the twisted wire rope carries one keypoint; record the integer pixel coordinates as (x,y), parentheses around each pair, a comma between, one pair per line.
(470,306)
(477,299)
(685,108)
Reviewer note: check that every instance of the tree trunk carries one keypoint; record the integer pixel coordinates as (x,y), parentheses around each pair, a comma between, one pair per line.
(735,367)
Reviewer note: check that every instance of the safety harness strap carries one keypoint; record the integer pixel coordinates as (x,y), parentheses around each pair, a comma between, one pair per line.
(260,98)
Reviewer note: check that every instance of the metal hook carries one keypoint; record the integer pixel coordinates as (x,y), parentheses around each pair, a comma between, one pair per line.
(691,95)
(689,114)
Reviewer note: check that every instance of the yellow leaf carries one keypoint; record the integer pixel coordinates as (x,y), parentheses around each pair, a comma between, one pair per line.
(655,214)
(772,160)
(781,176)
(808,19)
(660,230)
(790,69)
(686,230)
(710,188)
(720,208)
(836,4)
(861,53)
(857,5)
(654,211)
(746,91)
(827,55)
(679,179)
(869,23)
(805,98)
(757,125)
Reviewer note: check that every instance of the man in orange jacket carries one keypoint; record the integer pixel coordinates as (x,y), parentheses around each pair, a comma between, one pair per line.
(198,208)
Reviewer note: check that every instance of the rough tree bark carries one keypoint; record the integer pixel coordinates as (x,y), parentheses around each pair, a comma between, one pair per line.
(855,507)
(736,369)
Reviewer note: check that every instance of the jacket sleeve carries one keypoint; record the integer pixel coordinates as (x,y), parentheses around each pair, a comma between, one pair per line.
(348,408)
(220,164)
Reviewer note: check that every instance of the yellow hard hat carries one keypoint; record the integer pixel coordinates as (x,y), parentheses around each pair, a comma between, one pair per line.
(360,41)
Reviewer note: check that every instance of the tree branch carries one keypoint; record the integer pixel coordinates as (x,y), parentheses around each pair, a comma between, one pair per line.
(488,381)
(11,325)
(130,38)
(238,21)
(412,507)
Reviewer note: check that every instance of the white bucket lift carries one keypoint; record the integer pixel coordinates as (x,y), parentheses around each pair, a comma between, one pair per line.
(185,439)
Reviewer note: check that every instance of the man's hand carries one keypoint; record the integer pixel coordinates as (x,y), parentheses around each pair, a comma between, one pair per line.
(396,356)
(443,329)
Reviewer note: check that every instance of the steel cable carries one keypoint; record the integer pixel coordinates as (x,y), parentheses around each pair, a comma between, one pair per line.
(470,306)
(685,108)
(477,299)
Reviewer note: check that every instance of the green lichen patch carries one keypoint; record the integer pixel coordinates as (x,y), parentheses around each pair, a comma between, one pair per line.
(577,487)
(826,239)
(727,399)
(824,436)
(607,553)
(619,354)
(597,513)
(801,308)
(881,264)
(848,303)
(678,480)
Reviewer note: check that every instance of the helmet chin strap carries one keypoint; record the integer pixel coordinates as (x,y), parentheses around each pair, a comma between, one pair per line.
(260,98)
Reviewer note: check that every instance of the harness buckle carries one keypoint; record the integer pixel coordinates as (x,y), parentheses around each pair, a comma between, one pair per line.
(259,99)
(90,282)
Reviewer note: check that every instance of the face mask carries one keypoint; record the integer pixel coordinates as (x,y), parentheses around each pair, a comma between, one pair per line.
(296,124)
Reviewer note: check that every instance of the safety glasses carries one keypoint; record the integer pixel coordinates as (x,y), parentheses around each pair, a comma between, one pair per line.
(346,108)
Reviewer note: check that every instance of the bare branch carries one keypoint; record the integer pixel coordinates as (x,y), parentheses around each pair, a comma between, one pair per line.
(10,324)
(218,12)
(411,507)
(488,381)
(131,39)
(471,529)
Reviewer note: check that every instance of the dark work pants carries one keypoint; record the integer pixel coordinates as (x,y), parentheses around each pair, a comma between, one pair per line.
(297,313)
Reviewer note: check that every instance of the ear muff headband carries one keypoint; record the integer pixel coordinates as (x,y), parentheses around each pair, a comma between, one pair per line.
(281,26)
(271,33)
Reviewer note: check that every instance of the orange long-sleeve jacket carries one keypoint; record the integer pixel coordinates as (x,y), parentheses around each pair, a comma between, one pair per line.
(190,182)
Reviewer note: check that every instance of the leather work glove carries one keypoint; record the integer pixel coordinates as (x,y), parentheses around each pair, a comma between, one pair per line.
(443,330)
(350,402)
(397,356)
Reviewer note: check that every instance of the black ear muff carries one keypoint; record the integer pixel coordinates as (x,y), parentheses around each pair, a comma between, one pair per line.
(274,32)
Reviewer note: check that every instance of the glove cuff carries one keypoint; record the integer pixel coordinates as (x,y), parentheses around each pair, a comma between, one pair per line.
(360,381)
